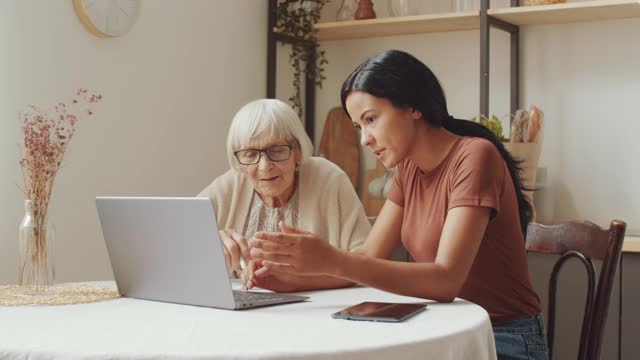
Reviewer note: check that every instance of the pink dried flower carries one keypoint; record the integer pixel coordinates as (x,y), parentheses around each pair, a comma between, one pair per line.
(46,137)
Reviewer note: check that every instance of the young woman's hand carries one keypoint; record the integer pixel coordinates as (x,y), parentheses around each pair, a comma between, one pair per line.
(293,251)
(270,280)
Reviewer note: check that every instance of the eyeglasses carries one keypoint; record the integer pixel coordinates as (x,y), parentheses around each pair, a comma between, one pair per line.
(276,153)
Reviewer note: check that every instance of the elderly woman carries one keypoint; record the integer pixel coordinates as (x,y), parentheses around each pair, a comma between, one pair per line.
(273,179)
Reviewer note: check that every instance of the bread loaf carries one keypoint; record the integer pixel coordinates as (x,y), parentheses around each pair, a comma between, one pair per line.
(536,117)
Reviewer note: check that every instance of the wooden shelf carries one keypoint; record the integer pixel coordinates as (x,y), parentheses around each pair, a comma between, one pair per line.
(569,12)
(631,244)
(392,26)
(470,20)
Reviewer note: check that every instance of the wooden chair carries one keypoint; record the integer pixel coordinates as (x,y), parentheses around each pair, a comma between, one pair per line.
(584,241)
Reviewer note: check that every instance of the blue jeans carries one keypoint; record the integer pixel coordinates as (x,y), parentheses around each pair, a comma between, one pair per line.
(521,339)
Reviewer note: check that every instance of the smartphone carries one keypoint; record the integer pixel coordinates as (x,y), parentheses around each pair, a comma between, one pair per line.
(379,311)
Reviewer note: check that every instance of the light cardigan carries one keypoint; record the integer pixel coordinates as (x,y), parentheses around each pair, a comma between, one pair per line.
(328,206)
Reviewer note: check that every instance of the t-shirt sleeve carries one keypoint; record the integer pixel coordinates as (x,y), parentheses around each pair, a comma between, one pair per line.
(396,193)
(478,178)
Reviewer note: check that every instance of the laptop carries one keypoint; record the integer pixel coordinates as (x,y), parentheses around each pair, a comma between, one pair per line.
(169,249)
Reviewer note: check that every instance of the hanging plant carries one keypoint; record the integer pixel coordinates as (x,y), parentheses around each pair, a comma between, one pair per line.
(295,19)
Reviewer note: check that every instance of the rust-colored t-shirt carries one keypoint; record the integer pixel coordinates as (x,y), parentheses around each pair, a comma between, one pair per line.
(472,174)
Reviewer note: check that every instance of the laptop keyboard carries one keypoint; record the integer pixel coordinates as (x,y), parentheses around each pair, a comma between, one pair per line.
(245,297)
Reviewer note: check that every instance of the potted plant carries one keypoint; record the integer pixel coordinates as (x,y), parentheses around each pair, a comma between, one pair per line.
(295,20)
(524,143)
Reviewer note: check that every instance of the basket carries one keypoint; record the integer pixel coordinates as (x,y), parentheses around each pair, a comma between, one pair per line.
(529,154)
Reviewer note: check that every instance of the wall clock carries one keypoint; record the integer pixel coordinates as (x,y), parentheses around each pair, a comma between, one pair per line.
(107,18)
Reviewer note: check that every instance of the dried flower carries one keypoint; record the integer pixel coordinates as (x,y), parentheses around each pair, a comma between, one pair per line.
(47,134)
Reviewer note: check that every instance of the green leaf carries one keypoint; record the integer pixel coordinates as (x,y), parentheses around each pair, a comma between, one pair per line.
(494,124)
(297,20)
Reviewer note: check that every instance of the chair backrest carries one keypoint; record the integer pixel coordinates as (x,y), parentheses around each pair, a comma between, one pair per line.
(585,241)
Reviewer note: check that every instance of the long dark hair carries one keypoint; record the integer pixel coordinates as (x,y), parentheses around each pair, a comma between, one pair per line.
(408,83)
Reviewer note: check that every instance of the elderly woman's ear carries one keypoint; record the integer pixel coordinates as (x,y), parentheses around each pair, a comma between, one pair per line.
(298,155)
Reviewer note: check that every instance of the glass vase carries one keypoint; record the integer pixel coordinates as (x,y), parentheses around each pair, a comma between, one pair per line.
(346,11)
(36,237)
(403,7)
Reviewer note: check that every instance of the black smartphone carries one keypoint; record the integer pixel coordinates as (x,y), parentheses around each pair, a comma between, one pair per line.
(379,311)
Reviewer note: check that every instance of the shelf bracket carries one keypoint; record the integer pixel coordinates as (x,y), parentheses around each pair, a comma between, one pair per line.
(484,58)
(271,50)
(486,22)
(502,25)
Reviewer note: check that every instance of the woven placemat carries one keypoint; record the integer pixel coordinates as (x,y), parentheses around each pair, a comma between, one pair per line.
(59,294)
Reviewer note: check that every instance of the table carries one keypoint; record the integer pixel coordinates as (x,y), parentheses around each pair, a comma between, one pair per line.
(137,329)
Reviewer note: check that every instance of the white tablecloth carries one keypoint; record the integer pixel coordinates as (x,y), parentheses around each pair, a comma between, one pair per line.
(136,329)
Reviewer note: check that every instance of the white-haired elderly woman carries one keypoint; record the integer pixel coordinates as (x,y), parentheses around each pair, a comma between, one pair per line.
(273,179)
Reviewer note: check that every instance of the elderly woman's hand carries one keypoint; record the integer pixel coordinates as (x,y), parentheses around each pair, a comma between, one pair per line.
(293,252)
(248,273)
(235,248)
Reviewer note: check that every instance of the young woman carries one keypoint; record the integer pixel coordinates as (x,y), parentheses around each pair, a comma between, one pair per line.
(456,204)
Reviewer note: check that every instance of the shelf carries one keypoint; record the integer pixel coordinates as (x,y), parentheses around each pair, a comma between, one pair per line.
(569,12)
(470,20)
(392,26)
(631,244)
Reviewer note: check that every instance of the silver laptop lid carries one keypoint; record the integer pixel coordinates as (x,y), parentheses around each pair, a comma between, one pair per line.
(166,249)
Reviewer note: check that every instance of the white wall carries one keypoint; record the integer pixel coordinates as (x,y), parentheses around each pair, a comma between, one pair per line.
(585,77)
(170,87)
